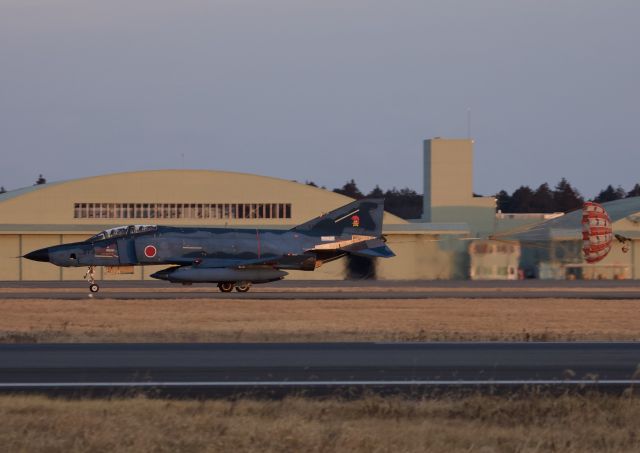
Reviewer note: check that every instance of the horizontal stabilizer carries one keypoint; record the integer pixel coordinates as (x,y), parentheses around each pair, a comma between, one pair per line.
(378,252)
(373,248)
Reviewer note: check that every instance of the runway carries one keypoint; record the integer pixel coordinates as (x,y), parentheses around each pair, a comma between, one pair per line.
(332,290)
(231,368)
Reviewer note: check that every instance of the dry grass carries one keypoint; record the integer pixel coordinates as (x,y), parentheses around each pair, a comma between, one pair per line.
(373,424)
(104,320)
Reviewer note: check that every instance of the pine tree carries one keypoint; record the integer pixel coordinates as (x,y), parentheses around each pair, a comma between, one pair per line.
(566,198)
(522,200)
(405,203)
(504,201)
(376,192)
(610,194)
(635,192)
(350,189)
(543,199)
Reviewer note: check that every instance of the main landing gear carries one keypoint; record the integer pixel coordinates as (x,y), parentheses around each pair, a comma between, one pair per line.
(89,277)
(243,287)
(227,287)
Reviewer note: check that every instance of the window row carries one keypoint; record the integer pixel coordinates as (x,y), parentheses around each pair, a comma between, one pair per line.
(484,248)
(182,211)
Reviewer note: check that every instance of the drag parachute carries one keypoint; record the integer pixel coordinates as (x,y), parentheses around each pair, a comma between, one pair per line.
(597,233)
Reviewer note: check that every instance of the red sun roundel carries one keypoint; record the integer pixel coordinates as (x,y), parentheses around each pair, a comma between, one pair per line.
(150,251)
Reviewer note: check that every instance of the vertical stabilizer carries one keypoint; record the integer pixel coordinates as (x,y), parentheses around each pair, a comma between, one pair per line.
(362,217)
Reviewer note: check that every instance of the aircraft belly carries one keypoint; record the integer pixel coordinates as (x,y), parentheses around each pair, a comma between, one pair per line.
(190,274)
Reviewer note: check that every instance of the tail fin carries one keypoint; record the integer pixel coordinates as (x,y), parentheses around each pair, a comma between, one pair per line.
(362,217)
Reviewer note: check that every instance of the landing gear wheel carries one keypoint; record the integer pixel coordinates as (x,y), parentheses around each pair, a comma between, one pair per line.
(89,277)
(243,288)
(226,287)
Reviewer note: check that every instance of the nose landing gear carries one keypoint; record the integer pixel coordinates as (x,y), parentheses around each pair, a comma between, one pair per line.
(89,277)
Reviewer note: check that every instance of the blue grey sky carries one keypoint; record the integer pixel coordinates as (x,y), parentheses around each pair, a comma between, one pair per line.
(321,90)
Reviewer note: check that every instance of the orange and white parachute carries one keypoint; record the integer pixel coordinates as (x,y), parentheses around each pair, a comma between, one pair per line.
(597,233)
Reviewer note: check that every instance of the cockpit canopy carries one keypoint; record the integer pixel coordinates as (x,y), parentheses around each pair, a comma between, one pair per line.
(122,231)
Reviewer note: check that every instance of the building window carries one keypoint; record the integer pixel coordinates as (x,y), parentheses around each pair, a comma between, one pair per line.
(182,211)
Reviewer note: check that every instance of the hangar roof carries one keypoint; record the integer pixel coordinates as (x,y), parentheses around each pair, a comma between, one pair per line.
(197,197)
(24,190)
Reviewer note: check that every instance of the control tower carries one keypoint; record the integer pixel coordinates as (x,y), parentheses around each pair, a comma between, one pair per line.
(448,186)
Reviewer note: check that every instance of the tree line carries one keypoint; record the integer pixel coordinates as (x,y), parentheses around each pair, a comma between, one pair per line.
(407,203)
(563,198)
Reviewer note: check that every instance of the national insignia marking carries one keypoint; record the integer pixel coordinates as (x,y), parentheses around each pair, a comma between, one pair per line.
(150,251)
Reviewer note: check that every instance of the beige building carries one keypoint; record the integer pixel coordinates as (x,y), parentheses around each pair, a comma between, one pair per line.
(448,186)
(70,211)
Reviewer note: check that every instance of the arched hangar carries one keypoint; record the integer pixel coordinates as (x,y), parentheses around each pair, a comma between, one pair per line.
(69,211)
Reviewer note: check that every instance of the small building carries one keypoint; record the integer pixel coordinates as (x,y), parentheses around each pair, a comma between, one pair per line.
(494,260)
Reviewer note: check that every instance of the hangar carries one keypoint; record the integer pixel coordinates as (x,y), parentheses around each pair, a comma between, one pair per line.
(69,211)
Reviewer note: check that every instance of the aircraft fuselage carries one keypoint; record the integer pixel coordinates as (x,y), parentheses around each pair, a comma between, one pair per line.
(229,256)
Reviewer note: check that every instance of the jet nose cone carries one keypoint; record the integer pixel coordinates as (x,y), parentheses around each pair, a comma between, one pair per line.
(38,255)
(160,275)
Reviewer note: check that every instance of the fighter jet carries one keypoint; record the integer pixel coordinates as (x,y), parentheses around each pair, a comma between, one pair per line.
(232,258)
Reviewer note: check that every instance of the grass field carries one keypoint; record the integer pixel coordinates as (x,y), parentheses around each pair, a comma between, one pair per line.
(373,424)
(518,423)
(199,320)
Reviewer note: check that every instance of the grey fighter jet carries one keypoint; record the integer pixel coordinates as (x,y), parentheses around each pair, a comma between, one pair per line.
(232,258)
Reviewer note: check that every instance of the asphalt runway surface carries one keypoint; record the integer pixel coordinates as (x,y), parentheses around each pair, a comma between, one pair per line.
(231,368)
(332,290)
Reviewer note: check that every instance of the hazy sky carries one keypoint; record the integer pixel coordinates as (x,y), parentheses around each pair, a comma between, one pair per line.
(323,90)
